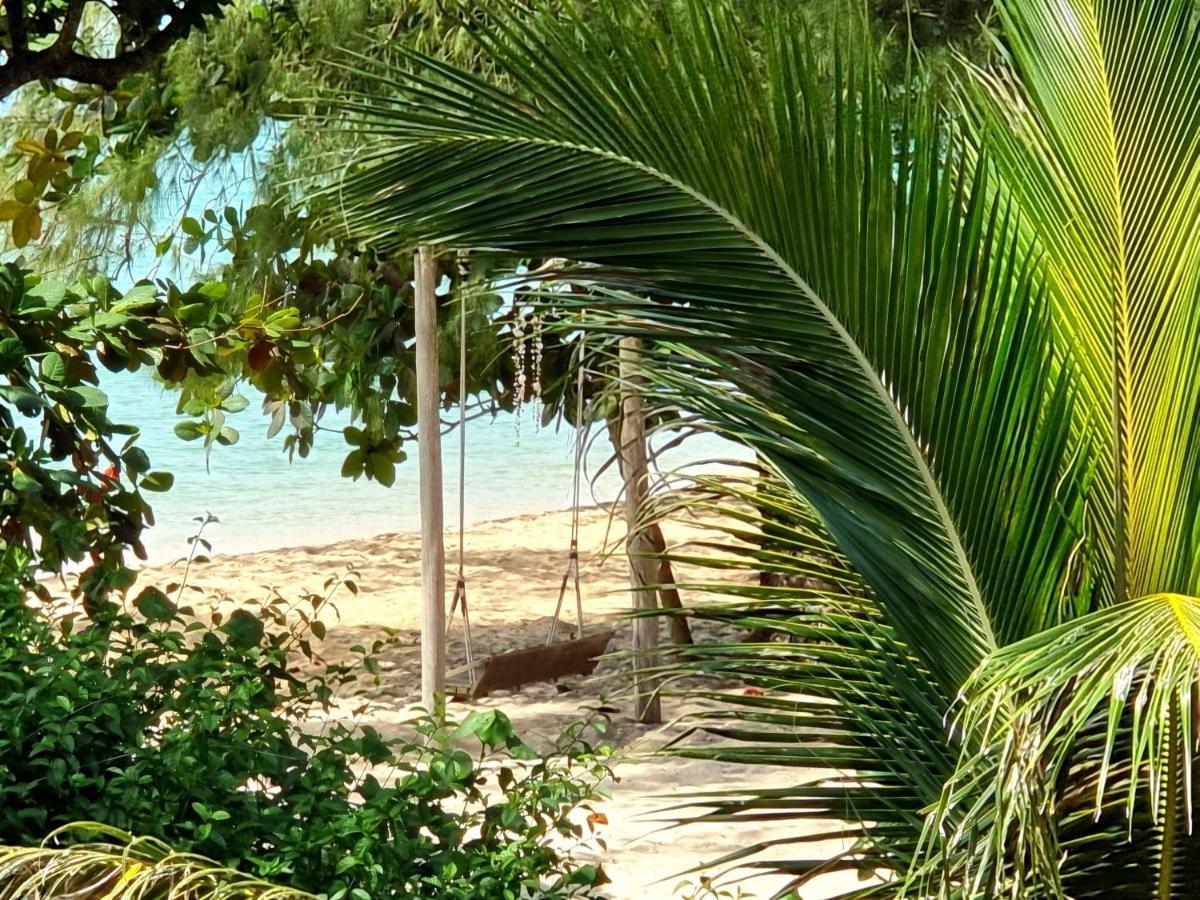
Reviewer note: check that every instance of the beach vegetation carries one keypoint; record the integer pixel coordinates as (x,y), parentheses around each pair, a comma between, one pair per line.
(190,168)
(215,734)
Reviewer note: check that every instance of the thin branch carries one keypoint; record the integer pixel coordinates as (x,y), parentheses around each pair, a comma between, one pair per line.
(70,25)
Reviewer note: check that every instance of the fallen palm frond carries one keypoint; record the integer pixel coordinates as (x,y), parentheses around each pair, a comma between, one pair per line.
(115,865)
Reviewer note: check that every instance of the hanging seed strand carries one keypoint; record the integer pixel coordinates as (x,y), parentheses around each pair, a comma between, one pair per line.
(518,350)
(536,365)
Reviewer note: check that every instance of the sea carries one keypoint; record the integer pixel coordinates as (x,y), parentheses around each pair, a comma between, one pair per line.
(264,501)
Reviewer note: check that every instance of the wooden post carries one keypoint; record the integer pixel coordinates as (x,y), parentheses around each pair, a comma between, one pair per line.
(429,446)
(643,571)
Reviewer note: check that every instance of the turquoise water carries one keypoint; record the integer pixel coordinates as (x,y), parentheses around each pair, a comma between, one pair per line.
(265,502)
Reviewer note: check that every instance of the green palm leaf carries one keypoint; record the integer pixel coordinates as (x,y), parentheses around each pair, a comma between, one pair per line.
(1096,137)
(822,681)
(1105,705)
(642,153)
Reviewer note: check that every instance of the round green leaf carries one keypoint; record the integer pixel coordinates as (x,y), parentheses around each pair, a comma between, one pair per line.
(157,481)
(243,629)
(53,368)
(155,605)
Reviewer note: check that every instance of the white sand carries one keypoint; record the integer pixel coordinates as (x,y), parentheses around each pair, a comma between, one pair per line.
(513,570)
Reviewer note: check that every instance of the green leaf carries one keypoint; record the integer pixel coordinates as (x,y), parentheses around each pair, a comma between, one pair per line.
(24,483)
(49,291)
(234,403)
(244,629)
(136,461)
(1105,692)
(85,396)
(214,290)
(12,353)
(382,467)
(137,296)
(155,605)
(24,191)
(191,228)
(493,728)
(589,875)
(53,368)
(22,398)
(189,430)
(352,465)
(157,481)
(518,749)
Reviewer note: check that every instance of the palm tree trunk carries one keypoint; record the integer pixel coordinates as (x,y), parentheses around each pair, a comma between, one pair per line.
(643,572)
(668,594)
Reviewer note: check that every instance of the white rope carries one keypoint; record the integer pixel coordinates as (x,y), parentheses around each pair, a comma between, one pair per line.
(460,586)
(462,426)
(580,443)
(573,553)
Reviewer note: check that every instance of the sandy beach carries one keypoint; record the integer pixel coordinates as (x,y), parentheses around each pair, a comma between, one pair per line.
(513,569)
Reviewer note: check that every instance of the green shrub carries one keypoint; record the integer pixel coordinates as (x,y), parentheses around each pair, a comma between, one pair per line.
(202,733)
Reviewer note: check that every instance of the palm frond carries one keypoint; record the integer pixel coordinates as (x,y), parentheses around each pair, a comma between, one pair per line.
(116,865)
(1095,133)
(816,680)
(793,223)
(1104,703)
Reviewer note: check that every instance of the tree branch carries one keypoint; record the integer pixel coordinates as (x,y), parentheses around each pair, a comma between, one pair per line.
(61,61)
(15,12)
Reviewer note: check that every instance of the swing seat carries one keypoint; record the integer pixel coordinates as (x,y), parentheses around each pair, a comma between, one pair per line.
(549,662)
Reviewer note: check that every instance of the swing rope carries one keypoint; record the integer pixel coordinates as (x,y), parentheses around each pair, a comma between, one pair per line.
(571,575)
(460,585)
(572,572)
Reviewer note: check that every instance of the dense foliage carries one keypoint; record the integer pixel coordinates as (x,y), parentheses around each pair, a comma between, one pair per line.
(151,173)
(203,733)
(71,479)
(125,709)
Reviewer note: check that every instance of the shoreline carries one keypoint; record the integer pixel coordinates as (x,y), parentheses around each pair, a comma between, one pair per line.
(315,547)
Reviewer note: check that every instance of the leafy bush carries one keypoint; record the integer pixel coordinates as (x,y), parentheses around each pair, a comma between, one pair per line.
(201,733)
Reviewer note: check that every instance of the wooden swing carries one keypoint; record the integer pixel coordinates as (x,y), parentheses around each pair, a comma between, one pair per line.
(554,659)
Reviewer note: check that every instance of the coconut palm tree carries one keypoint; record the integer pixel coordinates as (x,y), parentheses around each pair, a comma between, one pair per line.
(964,342)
